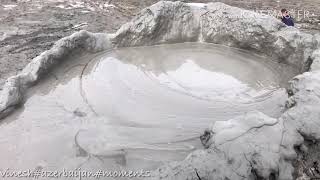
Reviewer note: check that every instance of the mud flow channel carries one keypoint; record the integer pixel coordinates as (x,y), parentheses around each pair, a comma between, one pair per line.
(136,108)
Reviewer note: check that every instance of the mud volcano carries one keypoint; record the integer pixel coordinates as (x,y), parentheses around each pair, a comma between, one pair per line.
(141,98)
(147,105)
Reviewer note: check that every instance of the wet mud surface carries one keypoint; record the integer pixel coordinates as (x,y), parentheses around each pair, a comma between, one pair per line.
(137,108)
(29,27)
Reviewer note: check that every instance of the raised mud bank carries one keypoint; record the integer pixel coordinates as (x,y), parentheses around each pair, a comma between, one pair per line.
(251,146)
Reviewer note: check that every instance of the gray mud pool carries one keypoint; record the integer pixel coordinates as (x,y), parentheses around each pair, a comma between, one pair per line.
(137,108)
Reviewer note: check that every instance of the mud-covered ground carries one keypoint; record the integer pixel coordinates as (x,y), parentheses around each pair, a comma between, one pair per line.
(29,27)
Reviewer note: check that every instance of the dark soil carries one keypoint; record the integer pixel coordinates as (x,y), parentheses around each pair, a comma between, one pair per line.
(307,165)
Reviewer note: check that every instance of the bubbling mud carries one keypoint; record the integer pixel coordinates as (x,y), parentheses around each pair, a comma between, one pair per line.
(137,108)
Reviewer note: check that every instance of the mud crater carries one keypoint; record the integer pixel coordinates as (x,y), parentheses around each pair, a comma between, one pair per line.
(140,107)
